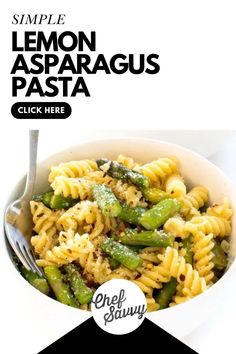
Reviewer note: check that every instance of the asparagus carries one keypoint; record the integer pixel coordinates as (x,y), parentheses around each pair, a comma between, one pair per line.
(117,170)
(107,201)
(165,294)
(187,245)
(81,291)
(121,253)
(113,263)
(159,214)
(131,215)
(220,258)
(55,201)
(155,195)
(146,238)
(60,289)
(34,279)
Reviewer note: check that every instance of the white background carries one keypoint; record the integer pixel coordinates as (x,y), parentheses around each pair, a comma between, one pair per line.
(196,44)
(195,89)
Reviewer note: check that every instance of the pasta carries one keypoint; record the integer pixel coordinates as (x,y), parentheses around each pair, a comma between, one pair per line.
(221,210)
(209,224)
(95,267)
(123,220)
(76,188)
(67,252)
(149,280)
(44,219)
(194,200)
(176,226)
(42,243)
(85,216)
(175,186)
(203,255)
(175,266)
(72,169)
(159,169)
(127,161)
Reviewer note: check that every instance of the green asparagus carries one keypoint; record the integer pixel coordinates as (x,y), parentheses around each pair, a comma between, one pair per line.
(159,214)
(146,238)
(59,287)
(121,253)
(34,279)
(155,195)
(113,263)
(55,201)
(187,245)
(165,294)
(220,258)
(119,171)
(81,291)
(107,201)
(131,215)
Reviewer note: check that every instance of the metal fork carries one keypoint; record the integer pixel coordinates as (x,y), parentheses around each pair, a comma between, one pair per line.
(18,220)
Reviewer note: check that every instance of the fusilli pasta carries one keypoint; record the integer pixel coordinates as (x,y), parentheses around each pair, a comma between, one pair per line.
(159,169)
(73,169)
(67,252)
(175,186)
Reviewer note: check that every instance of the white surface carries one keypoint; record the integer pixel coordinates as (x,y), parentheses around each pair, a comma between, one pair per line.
(216,335)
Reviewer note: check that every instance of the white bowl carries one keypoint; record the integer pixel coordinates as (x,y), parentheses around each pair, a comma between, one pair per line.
(179,320)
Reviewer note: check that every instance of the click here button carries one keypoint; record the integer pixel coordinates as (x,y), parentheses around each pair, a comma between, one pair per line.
(41,110)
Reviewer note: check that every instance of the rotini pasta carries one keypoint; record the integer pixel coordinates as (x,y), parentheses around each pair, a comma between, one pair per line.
(72,169)
(85,216)
(209,224)
(149,280)
(95,267)
(42,243)
(193,201)
(175,266)
(74,187)
(151,231)
(152,305)
(67,252)
(221,210)
(203,255)
(176,226)
(127,161)
(44,219)
(175,186)
(159,169)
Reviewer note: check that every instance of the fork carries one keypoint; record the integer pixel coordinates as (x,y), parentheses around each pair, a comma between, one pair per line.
(18,221)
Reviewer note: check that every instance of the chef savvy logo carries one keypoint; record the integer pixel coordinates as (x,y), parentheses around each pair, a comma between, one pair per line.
(119,306)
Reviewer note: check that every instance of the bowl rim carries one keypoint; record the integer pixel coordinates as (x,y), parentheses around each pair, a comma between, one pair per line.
(211,289)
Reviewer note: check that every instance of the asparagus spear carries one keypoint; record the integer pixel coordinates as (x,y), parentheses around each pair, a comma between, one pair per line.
(60,289)
(55,201)
(155,195)
(131,215)
(159,214)
(220,258)
(121,253)
(165,294)
(113,263)
(34,279)
(106,200)
(187,245)
(146,238)
(81,291)
(117,170)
